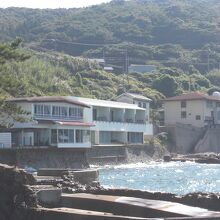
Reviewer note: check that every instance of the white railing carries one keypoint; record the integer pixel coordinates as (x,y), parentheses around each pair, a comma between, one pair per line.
(61,117)
(122,126)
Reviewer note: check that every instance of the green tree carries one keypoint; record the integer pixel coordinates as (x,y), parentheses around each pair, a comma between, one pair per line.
(166,84)
(9,112)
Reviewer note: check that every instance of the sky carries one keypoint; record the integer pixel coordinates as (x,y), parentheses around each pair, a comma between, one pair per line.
(50,3)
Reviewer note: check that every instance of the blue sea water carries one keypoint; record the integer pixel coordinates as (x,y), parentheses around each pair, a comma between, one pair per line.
(174,177)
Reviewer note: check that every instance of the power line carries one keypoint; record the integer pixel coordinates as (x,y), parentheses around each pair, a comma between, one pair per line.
(78,43)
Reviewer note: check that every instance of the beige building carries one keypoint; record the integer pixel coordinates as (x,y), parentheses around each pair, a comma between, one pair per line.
(194,109)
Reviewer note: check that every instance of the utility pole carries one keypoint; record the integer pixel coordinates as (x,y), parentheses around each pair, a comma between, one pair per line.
(208,60)
(103,53)
(125,72)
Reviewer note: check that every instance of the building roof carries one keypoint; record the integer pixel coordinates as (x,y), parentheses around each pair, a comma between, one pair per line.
(192,96)
(48,99)
(135,96)
(104,103)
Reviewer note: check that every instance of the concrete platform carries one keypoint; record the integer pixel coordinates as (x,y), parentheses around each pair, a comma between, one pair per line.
(49,195)
(52,171)
(84,176)
(135,207)
(78,214)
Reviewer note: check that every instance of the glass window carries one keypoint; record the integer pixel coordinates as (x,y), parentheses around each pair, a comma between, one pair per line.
(79,136)
(183,114)
(135,137)
(63,111)
(72,112)
(198,117)
(76,113)
(38,109)
(139,104)
(94,112)
(183,104)
(209,104)
(47,110)
(71,136)
(56,111)
(217,104)
(54,136)
(63,135)
(218,115)
(144,105)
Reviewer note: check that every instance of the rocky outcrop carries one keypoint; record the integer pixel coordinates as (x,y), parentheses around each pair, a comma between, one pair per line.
(206,158)
(15,193)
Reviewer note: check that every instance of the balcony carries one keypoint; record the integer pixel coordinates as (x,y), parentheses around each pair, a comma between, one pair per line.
(122,126)
(57,117)
(128,120)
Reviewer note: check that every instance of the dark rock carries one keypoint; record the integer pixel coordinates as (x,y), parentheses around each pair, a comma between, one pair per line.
(167,158)
(16,196)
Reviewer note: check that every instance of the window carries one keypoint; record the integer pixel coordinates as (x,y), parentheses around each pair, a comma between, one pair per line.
(47,110)
(66,136)
(54,136)
(41,110)
(139,104)
(144,105)
(76,113)
(198,117)
(63,111)
(94,112)
(71,136)
(218,115)
(38,109)
(183,114)
(209,104)
(79,136)
(56,111)
(183,104)
(135,137)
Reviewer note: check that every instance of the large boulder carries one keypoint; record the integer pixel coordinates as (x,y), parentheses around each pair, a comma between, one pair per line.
(15,193)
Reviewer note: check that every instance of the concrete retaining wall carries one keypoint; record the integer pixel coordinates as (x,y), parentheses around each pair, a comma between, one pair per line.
(185,137)
(45,158)
(120,154)
(210,142)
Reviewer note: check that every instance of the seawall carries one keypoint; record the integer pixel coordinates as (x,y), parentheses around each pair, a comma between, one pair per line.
(124,154)
(45,158)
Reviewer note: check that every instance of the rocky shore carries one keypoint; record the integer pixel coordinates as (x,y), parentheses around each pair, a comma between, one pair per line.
(203,158)
(19,198)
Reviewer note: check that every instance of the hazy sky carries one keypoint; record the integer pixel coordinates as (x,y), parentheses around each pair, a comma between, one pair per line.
(49,3)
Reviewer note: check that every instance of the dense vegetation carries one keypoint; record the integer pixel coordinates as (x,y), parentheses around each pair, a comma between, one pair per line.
(181,37)
(180,32)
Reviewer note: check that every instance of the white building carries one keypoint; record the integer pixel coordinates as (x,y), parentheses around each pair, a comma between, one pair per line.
(193,108)
(74,122)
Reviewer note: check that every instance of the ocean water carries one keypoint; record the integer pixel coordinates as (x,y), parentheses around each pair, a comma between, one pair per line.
(174,177)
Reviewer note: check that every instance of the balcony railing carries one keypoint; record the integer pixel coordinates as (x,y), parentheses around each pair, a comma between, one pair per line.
(58,117)
(128,121)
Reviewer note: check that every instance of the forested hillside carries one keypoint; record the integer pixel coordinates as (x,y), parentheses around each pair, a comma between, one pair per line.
(181,37)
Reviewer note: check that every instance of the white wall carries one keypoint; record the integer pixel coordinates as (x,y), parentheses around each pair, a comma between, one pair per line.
(5,140)
(74,145)
(172,112)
